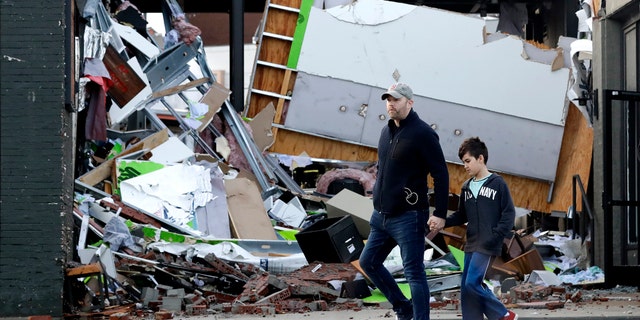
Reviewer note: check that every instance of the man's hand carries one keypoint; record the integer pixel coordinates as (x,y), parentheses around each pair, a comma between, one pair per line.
(435,223)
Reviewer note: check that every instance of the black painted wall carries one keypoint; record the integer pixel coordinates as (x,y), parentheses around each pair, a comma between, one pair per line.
(36,191)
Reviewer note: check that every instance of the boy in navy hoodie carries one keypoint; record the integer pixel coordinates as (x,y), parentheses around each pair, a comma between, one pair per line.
(487,209)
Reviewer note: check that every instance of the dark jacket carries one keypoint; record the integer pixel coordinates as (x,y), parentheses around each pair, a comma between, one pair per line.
(406,156)
(489,217)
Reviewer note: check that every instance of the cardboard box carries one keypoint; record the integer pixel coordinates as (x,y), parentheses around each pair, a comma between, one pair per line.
(331,240)
(347,202)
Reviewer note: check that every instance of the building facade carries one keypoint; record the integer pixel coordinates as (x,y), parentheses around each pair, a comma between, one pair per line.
(36,153)
(616,158)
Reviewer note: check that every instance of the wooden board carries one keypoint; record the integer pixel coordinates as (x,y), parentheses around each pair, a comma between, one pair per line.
(248,217)
(214,98)
(526,262)
(84,270)
(262,129)
(290,142)
(179,88)
(281,22)
(575,159)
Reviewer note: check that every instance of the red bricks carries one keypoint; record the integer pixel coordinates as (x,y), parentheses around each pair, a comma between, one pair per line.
(255,288)
(277,296)
(554,305)
(196,310)
(163,315)
(119,316)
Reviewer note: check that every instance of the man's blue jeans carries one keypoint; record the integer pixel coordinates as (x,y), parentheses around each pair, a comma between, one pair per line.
(407,230)
(477,300)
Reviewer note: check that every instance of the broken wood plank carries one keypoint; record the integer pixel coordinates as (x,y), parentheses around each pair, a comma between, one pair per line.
(87,269)
(249,219)
(214,98)
(262,128)
(526,262)
(179,88)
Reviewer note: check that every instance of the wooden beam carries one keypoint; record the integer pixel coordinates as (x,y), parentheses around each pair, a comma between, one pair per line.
(179,88)
(87,269)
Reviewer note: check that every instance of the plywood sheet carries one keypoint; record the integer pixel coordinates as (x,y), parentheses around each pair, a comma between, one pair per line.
(575,159)
(281,22)
(261,127)
(274,50)
(291,142)
(249,219)
(214,98)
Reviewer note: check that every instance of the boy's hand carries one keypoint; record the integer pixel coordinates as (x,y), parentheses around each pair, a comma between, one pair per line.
(435,223)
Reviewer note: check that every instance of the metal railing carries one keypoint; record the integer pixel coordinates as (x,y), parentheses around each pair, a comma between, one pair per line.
(586,227)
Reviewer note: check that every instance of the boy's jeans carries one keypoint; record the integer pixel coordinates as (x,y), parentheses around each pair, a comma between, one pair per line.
(407,230)
(476,298)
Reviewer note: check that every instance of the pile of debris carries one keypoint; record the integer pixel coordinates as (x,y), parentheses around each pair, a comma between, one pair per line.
(162,229)
(136,266)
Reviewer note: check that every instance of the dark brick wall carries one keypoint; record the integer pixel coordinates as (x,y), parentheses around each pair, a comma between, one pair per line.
(36,191)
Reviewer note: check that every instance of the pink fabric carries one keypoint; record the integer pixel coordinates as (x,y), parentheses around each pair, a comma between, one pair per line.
(366,179)
(187,31)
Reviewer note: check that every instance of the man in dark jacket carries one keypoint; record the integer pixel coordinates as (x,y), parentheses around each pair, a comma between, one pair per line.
(408,151)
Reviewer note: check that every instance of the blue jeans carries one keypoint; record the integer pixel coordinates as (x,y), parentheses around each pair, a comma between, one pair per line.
(407,231)
(476,298)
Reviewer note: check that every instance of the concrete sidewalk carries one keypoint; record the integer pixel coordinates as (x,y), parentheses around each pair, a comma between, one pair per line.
(605,310)
(617,306)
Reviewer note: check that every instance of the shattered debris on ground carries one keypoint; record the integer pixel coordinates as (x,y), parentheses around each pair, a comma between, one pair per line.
(166,228)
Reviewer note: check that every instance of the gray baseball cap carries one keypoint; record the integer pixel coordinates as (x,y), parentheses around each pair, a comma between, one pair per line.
(398,90)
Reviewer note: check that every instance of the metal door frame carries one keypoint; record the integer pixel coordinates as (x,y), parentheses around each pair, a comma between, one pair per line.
(616,274)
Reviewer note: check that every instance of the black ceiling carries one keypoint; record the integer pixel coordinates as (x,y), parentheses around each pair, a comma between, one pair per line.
(191,6)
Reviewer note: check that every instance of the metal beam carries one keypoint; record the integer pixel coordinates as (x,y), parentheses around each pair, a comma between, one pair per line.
(236,54)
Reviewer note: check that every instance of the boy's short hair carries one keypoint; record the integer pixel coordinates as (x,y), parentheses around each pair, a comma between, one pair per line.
(475,147)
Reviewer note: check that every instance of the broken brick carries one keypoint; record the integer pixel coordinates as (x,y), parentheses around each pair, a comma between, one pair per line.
(195,309)
(263,309)
(254,288)
(554,305)
(163,315)
(219,297)
(576,296)
(278,296)
(325,272)
(223,267)
(119,316)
